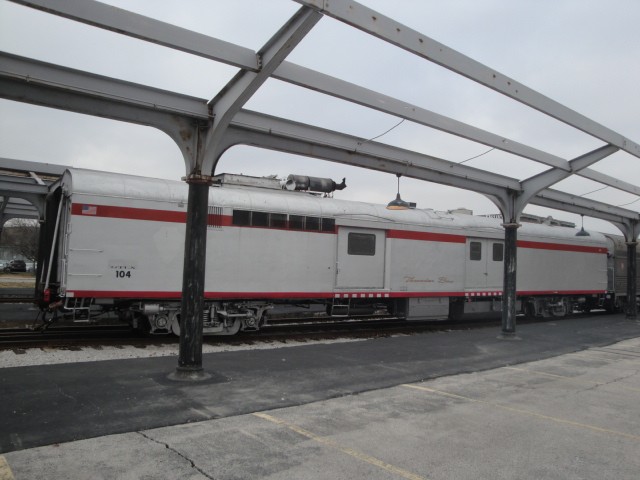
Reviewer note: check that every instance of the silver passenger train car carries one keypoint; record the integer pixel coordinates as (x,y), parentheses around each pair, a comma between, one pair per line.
(114,242)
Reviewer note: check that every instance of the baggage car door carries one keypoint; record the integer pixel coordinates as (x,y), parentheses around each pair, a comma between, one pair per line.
(484,263)
(360,259)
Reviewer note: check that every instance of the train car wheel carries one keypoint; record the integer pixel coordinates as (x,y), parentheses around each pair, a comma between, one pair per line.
(175,325)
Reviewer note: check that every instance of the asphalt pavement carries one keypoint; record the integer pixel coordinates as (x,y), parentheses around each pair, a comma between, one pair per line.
(561,402)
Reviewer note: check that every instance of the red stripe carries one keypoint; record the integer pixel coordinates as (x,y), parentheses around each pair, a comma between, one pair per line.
(310,295)
(559,292)
(130,213)
(426,236)
(208,295)
(220,220)
(560,247)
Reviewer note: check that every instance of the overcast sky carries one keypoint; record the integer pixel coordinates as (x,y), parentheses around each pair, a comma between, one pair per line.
(584,54)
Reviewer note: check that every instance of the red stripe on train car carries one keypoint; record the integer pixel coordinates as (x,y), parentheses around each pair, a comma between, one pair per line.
(208,295)
(130,213)
(525,293)
(426,236)
(560,247)
(287,295)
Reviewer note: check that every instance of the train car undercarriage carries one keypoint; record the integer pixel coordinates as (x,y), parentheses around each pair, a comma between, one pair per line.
(232,317)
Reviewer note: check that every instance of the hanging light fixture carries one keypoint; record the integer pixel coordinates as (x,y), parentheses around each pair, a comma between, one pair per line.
(583,232)
(398,203)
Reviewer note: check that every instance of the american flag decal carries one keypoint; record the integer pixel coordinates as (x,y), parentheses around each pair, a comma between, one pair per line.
(89,210)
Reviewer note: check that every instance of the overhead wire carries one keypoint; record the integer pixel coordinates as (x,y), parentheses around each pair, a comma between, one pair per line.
(625,204)
(476,156)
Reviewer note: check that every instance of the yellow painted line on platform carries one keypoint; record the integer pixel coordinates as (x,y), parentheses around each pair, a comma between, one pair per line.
(573,380)
(528,413)
(5,470)
(349,451)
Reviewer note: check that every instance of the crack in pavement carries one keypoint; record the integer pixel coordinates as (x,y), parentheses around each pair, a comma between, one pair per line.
(167,446)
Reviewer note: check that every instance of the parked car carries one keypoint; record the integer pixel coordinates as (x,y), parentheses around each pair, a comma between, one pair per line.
(15,266)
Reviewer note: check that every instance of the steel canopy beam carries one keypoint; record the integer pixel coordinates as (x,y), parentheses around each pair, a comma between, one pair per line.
(539,182)
(609,181)
(161,33)
(246,83)
(81,97)
(335,146)
(144,28)
(324,151)
(583,206)
(17,187)
(93,94)
(41,83)
(47,75)
(249,120)
(391,31)
(42,169)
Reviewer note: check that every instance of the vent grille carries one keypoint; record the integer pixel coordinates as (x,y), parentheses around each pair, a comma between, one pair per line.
(214,218)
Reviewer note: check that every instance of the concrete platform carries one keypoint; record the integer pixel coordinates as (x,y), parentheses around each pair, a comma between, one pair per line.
(563,402)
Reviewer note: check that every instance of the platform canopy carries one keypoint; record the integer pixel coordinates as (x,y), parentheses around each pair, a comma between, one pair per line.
(23,188)
(217,124)
(205,128)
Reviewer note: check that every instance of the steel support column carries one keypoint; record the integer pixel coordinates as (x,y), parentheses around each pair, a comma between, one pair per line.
(195,252)
(509,286)
(632,266)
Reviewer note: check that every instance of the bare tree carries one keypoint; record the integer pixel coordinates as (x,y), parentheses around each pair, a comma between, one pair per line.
(21,235)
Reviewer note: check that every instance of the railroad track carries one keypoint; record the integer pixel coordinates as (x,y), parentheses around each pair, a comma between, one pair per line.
(16,299)
(101,335)
(64,336)
(57,336)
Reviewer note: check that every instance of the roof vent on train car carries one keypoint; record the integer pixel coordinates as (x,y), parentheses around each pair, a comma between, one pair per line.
(271,182)
(461,211)
(313,184)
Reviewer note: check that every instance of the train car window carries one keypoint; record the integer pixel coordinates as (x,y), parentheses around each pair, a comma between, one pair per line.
(475,251)
(312,223)
(278,220)
(328,225)
(259,219)
(241,217)
(296,222)
(498,252)
(361,244)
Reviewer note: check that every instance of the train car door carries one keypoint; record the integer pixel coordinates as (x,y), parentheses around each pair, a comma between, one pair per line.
(360,259)
(484,263)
